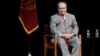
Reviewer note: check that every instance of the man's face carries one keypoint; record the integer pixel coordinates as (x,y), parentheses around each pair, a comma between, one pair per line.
(62,8)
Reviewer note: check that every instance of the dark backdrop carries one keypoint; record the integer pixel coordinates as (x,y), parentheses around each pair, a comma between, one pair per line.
(16,42)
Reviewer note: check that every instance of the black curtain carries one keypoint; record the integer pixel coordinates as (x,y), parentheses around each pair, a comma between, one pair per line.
(15,39)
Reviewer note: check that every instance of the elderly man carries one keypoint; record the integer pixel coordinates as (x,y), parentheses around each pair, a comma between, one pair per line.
(65,26)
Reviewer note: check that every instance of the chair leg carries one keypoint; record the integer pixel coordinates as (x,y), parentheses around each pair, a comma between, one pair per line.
(55,45)
(45,51)
(80,51)
(55,51)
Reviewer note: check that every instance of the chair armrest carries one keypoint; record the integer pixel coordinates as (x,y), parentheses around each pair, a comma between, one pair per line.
(80,37)
(48,36)
(45,37)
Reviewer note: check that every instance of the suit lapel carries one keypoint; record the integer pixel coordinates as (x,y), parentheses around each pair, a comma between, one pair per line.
(67,19)
(61,19)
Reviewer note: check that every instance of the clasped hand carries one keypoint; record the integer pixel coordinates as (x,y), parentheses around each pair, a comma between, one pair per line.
(67,36)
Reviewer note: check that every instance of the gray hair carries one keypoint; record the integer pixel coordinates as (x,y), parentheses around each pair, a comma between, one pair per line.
(61,2)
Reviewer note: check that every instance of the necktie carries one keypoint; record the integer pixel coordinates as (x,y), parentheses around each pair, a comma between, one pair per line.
(64,22)
(63,19)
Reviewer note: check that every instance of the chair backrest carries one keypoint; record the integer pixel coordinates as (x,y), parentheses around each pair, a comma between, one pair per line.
(47,32)
(46,29)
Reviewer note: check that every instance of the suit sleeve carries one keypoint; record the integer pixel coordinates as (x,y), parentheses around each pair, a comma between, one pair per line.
(53,26)
(75,26)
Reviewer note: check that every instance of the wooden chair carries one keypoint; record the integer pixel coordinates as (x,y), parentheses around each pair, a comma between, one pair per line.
(48,45)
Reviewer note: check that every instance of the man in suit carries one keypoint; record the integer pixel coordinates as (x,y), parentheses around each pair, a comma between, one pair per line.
(65,26)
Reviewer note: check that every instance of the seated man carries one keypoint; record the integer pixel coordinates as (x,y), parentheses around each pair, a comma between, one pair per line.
(65,26)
